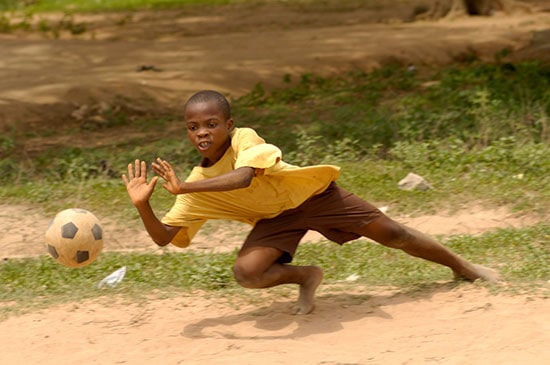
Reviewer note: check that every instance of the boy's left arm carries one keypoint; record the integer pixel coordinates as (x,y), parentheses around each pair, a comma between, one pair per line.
(235,179)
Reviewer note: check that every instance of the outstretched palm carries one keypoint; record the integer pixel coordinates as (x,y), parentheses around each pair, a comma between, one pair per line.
(136,183)
(164,169)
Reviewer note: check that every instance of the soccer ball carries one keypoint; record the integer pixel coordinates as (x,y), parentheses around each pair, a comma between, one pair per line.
(74,237)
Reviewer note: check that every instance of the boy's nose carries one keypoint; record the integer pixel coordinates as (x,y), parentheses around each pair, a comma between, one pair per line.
(202,132)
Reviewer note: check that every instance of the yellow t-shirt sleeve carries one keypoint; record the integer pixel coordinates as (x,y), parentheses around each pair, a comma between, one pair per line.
(189,226)
(184,236)
(252,151)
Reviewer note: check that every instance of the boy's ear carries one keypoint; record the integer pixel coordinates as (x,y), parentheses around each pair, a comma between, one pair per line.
(229,123)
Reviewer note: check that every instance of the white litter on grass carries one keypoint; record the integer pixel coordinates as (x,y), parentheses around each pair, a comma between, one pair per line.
(352,278)
(518,176)
(113,278)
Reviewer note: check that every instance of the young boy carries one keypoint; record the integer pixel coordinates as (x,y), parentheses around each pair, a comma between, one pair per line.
(240,177)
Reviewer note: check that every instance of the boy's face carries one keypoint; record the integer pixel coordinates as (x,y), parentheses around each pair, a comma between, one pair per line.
(208,130)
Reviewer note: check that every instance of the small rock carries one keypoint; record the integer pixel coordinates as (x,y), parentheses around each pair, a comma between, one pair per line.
(142,68)
(414,182)
(81,112)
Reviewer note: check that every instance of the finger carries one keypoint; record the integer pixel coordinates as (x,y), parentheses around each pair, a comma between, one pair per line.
(153,183)
(164,164)
(156,168)
(137,168)
(125,179)
(130,171)
(143,170)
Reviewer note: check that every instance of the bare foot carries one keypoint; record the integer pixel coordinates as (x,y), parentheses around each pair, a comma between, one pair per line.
(481,272)
(306,300)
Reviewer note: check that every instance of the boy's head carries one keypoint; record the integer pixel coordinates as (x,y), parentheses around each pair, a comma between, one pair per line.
(207,116)
(210,96)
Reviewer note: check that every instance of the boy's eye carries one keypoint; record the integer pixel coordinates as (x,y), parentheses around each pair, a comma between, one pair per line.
(212,125)
(191,127)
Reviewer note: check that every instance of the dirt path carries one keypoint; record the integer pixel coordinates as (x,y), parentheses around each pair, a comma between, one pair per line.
(45,80)
(22,230)
(439,326)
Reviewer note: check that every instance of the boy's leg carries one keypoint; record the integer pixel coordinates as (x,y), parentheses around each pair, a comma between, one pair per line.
(257,267)
(392,234)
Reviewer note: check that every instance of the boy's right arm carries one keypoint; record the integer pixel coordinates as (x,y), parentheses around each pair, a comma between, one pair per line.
(159,232)
(140,192)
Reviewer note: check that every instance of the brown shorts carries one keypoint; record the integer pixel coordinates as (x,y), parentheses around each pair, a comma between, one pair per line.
(335,213)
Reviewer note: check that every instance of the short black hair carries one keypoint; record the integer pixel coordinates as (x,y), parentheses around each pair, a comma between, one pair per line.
(205,96)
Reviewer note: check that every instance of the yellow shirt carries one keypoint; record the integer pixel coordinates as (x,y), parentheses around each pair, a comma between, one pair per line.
(280,187)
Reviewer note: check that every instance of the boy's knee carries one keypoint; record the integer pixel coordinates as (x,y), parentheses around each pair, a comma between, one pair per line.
(397,237)
(388,233)
(245,277)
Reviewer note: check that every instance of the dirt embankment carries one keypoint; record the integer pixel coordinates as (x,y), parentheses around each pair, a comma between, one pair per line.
(148,62)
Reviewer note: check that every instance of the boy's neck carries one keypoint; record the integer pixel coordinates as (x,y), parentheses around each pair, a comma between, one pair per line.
(206,162)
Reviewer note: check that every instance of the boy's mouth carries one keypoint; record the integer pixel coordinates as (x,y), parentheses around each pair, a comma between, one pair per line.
(203,145)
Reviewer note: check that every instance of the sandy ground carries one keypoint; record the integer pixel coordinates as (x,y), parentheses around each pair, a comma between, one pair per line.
(45,80)
(22,230)
(439,326)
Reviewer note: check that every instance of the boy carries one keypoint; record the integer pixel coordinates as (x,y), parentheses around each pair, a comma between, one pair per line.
(241,177)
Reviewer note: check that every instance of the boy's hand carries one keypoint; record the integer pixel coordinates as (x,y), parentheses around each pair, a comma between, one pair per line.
(165,170)
(136,183)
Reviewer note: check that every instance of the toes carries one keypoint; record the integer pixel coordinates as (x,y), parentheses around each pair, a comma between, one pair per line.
(301,309)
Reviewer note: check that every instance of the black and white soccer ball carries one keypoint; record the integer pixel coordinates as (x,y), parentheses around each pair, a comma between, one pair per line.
(74,237)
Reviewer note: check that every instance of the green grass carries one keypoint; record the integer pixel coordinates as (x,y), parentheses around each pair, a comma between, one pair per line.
(105,5)
(116,5)
(521,255)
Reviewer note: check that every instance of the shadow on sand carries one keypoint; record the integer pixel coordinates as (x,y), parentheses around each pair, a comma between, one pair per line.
(332,311)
